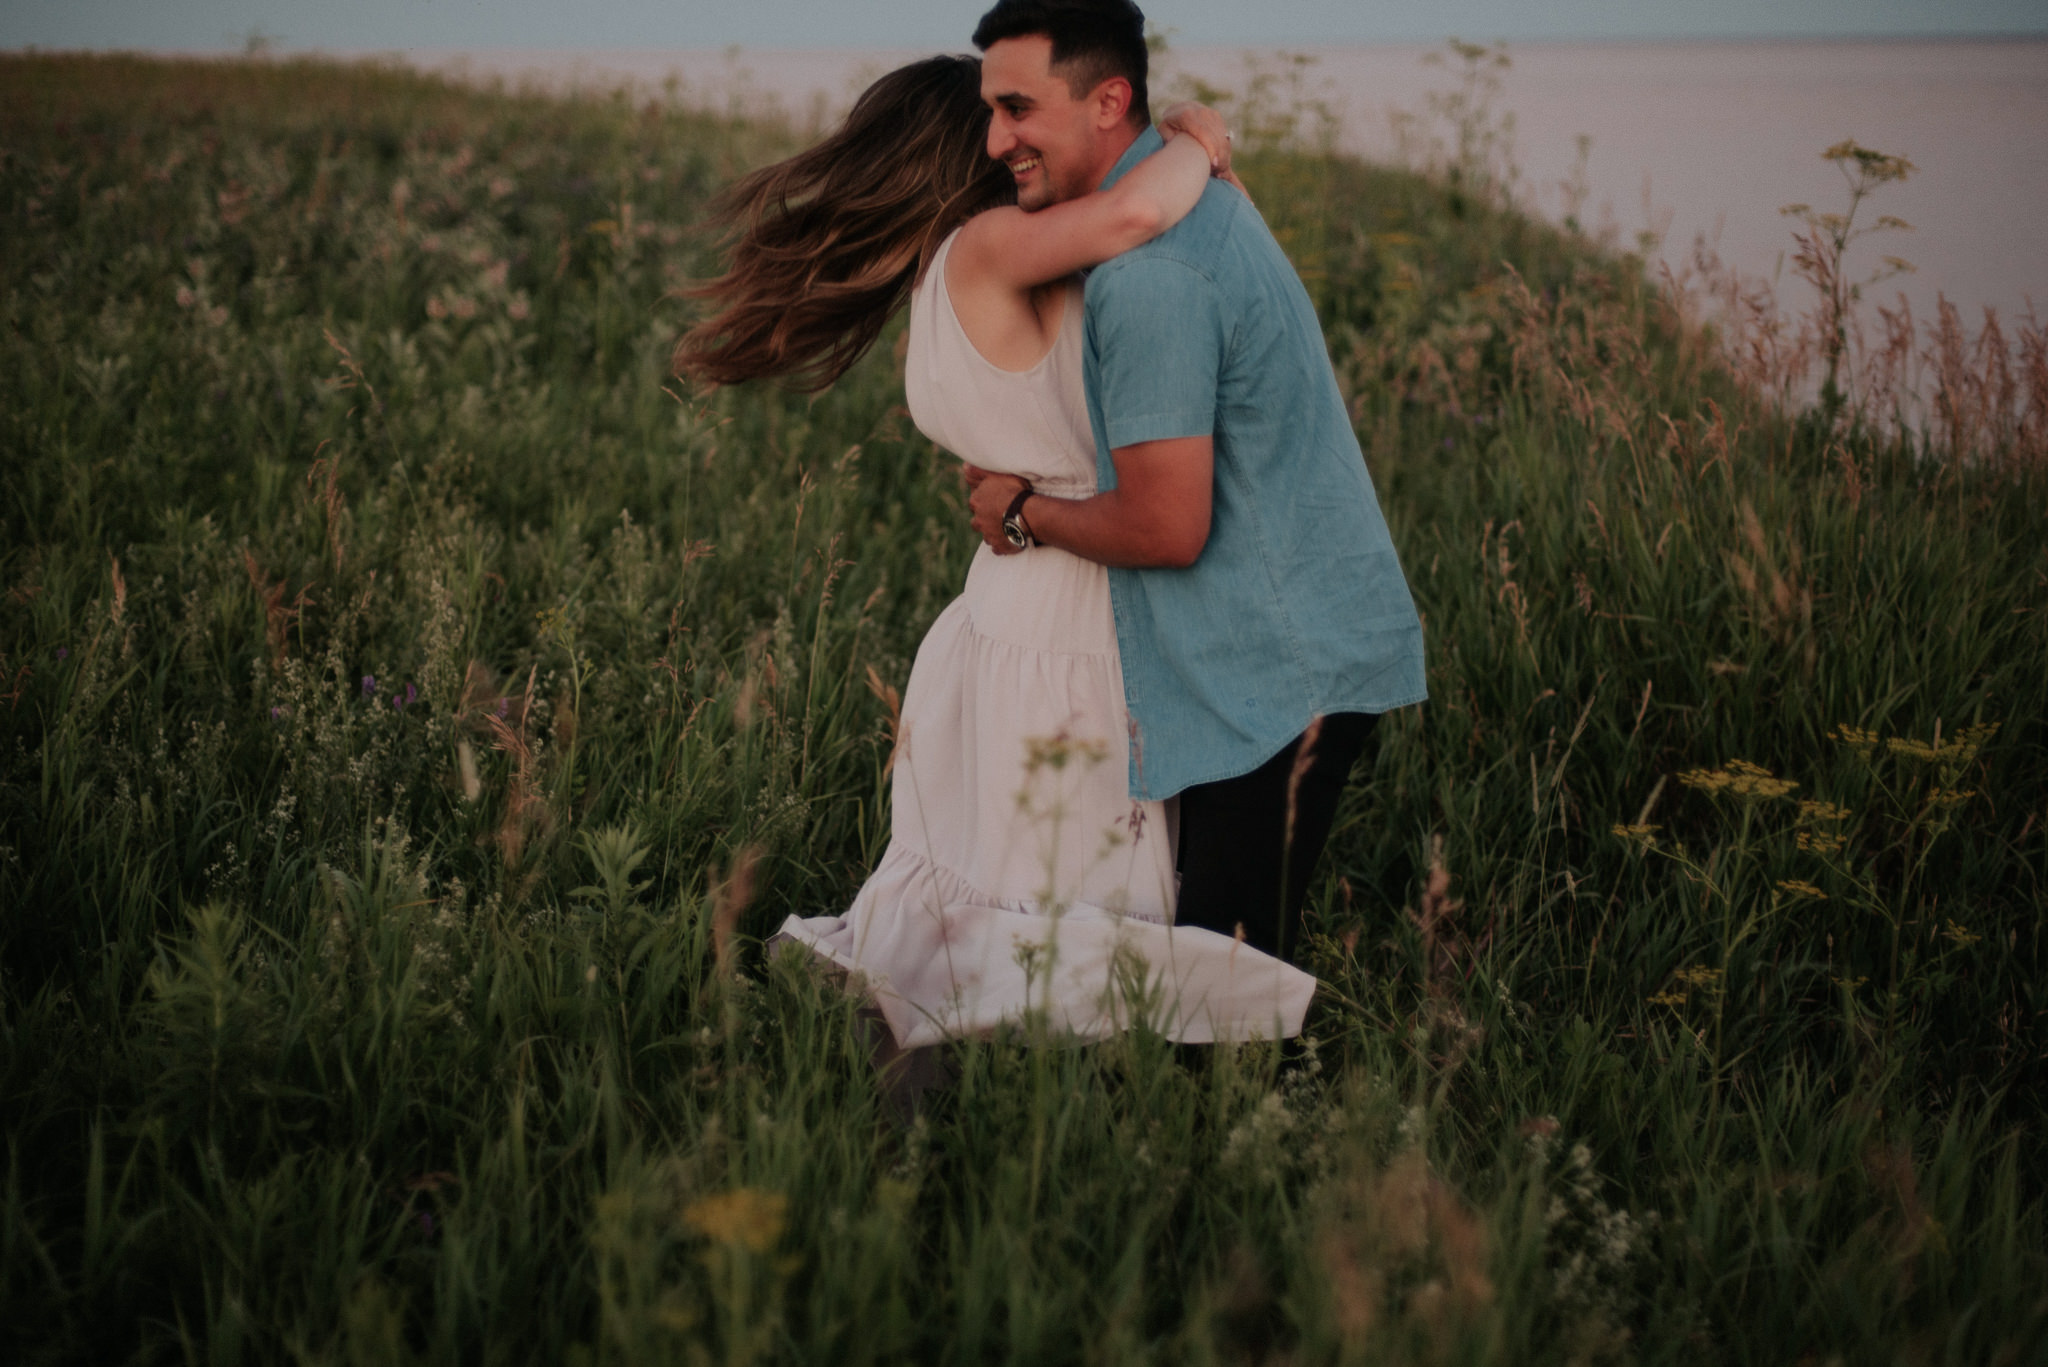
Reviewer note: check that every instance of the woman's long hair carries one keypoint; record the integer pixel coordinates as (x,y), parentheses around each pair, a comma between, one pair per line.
(831,240)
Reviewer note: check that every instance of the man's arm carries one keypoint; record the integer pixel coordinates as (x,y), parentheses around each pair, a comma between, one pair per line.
(1156,337)
(1157,517)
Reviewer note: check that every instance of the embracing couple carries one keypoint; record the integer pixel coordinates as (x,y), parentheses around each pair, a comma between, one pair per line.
(1121,748)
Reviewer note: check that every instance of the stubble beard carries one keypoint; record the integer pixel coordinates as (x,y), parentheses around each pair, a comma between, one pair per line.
(1039,191)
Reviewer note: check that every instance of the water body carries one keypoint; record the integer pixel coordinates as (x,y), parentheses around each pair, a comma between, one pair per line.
(1690,138)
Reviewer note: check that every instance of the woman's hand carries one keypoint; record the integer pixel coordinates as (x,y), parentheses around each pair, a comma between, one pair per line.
(1205,126)
(988,499)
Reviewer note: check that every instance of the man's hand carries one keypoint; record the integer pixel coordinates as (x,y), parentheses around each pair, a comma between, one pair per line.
(1157,517)
(988,497)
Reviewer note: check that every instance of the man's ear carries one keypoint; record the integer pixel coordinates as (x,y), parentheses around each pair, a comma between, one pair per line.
(1110,103)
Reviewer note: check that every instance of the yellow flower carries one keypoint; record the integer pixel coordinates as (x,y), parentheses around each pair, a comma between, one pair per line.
(1960,935)
(1706,780)
(1814,842)
(1645,836)
(1055,752)
(745,1216)
(1960,748)
(1856,738)
(1811,812)
(1740,777)
(1800,888)
(1684,982)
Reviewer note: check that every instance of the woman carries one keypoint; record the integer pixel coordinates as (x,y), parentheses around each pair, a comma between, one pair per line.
(1021,882)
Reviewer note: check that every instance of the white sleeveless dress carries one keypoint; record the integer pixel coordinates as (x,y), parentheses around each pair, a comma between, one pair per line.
(1021,879)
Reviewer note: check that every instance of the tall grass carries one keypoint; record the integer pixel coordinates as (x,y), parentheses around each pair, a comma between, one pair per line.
(416,706)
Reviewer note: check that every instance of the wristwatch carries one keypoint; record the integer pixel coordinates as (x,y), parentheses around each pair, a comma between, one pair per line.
(1014,529)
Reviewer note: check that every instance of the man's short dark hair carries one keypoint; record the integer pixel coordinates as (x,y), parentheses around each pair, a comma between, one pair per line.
(1092,40)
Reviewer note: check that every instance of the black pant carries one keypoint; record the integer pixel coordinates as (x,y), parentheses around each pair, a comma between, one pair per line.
(1238,864)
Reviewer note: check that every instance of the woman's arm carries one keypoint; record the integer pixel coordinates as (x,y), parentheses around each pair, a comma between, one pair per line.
(1018,249)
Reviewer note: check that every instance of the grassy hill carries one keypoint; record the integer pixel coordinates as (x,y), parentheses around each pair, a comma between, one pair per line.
(414,707)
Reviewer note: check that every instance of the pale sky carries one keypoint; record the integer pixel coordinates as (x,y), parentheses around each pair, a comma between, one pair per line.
(356,25)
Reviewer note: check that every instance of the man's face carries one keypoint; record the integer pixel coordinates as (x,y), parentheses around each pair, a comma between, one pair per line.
(1051,141)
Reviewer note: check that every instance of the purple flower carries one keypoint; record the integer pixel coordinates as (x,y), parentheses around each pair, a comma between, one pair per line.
(277,713)
(63,652)
(399,702)
(369,685)
(504,706)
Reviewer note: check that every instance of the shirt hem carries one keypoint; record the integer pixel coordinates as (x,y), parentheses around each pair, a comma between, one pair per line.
(1237,769)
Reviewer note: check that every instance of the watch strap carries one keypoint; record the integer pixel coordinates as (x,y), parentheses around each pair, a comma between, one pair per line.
(1014,517)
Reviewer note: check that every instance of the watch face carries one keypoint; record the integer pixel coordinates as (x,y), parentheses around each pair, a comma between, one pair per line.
(1014,534)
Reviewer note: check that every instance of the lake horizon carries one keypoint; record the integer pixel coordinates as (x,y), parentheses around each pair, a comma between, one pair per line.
(1696,139)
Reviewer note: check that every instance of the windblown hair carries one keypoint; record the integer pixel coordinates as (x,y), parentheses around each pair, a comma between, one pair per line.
(1092,40)
(830,241)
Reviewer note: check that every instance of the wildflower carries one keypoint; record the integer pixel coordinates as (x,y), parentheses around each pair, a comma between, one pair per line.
(437,309)
(186,298)
(399,701)
(63,652)
(494,274)
(1960,748)
(369,685)
(519,309)
(1873,165)
(1959,935)
(1795,887)
(1847,984)
(1810,812)
(1856,738)
(500,187)
(1814,842)
(1947,799)
(1913,749)
(745,1217)
(1696,977)
(1740,778)
(1645,836)
(217,315)
(1055,752)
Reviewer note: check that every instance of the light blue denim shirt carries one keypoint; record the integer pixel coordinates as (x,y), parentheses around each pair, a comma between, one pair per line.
(1297,606)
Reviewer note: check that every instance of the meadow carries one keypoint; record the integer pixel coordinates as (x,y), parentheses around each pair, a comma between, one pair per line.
(416,706)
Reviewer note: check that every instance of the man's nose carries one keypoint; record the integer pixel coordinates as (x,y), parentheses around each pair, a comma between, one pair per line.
(1000,138)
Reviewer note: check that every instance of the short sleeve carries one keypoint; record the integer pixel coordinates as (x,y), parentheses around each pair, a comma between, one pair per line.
(1156,341)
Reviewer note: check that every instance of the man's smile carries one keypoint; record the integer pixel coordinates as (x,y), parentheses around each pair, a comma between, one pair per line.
(1023,166)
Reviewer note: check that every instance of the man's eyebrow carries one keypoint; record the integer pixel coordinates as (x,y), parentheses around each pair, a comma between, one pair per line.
(1012,99)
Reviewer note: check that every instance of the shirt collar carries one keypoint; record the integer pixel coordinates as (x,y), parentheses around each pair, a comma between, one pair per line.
(1148,142)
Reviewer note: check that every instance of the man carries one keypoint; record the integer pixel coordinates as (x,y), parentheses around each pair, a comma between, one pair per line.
(1262,615)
